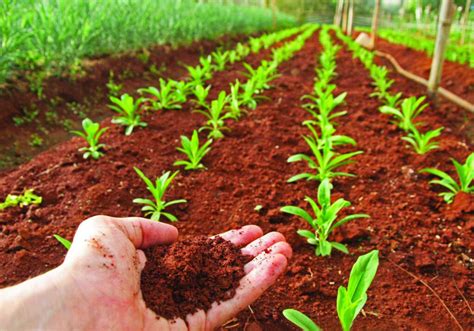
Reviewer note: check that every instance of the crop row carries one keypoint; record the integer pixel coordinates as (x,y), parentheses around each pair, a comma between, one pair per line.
(324,163)
(404,113)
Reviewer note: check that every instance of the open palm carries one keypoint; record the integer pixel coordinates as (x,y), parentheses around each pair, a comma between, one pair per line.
(106,260)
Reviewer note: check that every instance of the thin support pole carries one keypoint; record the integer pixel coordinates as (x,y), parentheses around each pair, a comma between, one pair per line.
(375,24)
(344,16)
(350,19)
(338,14)
(445,18)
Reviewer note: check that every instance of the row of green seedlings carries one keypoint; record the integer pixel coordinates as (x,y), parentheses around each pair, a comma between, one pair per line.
(170,96)
(217,111)
(405,112)
(326,162)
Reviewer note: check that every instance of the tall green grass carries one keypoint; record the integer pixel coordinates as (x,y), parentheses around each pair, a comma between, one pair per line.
(53,35)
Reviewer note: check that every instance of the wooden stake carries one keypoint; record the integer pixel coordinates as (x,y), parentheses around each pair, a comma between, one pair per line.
(375,23)
(350,20)
(465,18)
(338,14)
(445,17)
(344,16)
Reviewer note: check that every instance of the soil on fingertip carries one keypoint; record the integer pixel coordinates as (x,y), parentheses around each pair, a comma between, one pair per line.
(410,224)
(190,275)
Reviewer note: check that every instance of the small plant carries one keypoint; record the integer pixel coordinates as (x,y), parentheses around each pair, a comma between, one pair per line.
(325,161)
(36,140)
(410,108)
(66,243)
(127,108)
(216,116)
(164,98)
(92,133)
(392,100)
(155,208)
(234,101)
(324,220)
(220,59)
(465,175)
(381,82)
(114,88)
(201,94)
(350,301)
(300,320)
(22,200)
(421,142)
(191,148)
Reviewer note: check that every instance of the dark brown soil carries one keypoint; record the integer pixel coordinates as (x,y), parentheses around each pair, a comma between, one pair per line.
(67,100)
(190,275)
(410,224)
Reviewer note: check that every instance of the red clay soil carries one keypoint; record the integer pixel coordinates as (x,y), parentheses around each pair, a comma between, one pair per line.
(190,275)
(457,78)
(72,98)
(420,238)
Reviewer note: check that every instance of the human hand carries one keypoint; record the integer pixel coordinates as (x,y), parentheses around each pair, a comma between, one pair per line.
(98,285)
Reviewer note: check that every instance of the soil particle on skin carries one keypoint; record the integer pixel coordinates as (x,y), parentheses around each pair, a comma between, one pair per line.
(190,275)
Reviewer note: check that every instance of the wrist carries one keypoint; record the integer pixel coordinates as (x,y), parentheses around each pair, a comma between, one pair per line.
(41,302)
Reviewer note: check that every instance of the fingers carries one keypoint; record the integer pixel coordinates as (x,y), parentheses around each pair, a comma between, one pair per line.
(242,236)
(280,247)
(251,287)
(261,244)
(140,231)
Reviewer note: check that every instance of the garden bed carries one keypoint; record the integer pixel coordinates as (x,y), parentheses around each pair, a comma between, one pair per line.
(66,100)
(415,231)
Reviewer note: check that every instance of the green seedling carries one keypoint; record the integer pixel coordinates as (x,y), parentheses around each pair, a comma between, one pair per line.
(392,100)
(127,108)
(220,59)
(325,161)
(242,50)
(163,98)
(35,140)
(234,101)
(300,320)
(248,96)
(216,117)
(156,208)
(422,142)
(114,88)
(181,90)
(381,81)
(255,44)
(327,137)
(465,174)
(194,152)
(22,200)
(323,105)
(410,108)
(92,133)
(198,75)
(201,94)
(324,220)
(350,301)
(66,243)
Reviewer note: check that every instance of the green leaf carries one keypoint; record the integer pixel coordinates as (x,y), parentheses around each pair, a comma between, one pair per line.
(300,320)
(298,212)
(66,243)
